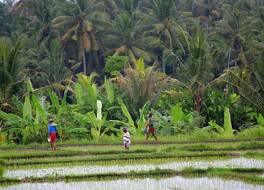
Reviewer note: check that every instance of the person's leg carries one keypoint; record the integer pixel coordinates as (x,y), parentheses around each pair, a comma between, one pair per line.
(54,145)
(146,137)
(155,137)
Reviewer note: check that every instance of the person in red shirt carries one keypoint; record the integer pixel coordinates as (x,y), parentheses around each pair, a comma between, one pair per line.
(149,128)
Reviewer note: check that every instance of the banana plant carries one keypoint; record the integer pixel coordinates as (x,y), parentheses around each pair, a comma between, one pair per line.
(28,126)
(86,92)
(226,130)
(97,127)
(135,126)
(178,121)
(260,120)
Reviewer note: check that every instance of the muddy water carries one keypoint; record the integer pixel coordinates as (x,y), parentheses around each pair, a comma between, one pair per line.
(175,183)
(78,170)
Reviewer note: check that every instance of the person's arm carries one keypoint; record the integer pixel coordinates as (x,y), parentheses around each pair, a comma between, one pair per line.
(48,129)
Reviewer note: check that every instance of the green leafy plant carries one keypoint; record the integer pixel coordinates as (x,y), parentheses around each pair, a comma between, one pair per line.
(226,130)
(260,120)
(115,64)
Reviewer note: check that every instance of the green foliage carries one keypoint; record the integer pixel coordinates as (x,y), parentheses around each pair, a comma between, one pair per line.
(109,90)
(227,123)
(260,120)
(1,172)
(115,63)
(30,126)
(10,69)
(126,113)
(86,91)
(178,121)
(191,50)
(226,130)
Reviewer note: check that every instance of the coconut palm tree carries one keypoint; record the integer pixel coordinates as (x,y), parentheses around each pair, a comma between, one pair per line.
(161,28)
(79,20)
(140,85)
(248,81)
(45,64)
(195,72)
(40,19)
(10,71)
(125,37)
(5,20)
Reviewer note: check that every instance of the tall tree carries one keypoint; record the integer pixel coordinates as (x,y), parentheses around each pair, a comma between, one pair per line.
(161,28)
(10,71)
(125,37)
(78,21)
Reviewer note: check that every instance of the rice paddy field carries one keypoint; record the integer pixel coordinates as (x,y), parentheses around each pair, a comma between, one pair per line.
(210,165)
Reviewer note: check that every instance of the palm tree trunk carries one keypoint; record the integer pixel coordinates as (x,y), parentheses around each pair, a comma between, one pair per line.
(84,62)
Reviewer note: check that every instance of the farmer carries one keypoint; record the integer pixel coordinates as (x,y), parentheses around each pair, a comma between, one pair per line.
(149,129)
(126,139)
(53,133)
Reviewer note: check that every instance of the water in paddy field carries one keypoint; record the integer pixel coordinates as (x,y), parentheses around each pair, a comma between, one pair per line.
(174,183)
(78,170)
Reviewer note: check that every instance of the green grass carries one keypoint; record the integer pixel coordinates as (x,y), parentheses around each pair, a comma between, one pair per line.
(153,161)
(68,153)
(198,137)
(255,155)
(118,157)
(247,175)
(223,147)
(1,172)
(113,150)
(251,175)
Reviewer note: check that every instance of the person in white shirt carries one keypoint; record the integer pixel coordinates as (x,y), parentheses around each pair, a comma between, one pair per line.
(126,139)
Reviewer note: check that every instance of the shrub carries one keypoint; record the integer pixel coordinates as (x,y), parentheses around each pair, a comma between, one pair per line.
(252,133)
(115,63)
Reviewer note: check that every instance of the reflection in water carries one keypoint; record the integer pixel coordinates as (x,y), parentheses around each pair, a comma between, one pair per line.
(175,183)
(232,163)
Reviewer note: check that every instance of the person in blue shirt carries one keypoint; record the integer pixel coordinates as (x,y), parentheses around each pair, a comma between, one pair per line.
(53,133)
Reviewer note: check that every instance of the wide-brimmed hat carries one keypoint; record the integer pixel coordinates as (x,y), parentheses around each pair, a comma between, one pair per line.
(51,120)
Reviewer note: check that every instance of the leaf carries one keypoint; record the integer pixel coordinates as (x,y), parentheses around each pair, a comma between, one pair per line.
(260,120)
(29,85)
(126,112)
(140,65)
(27,109)
(78,91)
(227,123)
(109,90)
(216,127)
(40,111)
(54,101)
(177,113)
(143,112)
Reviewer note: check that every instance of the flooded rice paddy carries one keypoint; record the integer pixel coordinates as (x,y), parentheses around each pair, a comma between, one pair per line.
(79,170)
(174,183)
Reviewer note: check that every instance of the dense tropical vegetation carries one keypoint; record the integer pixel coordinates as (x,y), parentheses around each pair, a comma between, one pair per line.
(197,65)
